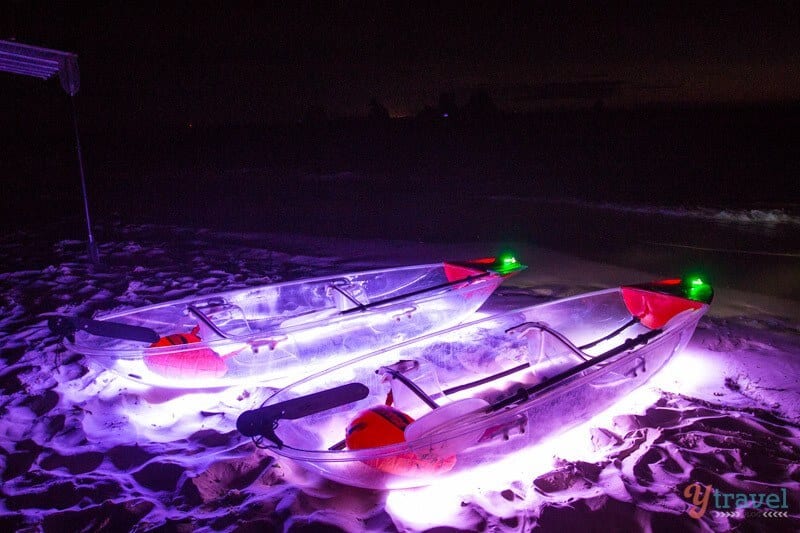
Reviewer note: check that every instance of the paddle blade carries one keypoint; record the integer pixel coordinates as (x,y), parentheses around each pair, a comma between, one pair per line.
(423,431)
(68,325)
(262,421)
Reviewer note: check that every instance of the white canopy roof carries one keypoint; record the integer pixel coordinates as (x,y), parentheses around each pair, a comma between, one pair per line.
(41,63)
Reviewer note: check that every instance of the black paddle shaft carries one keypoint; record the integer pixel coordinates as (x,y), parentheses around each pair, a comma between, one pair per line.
(68,325)
(262,421)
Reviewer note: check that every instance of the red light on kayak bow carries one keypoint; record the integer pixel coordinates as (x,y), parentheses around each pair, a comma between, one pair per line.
(654,304)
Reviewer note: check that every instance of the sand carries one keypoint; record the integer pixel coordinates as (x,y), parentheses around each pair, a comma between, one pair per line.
(83,449)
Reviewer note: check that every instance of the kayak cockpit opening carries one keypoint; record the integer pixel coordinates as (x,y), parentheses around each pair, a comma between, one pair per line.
(413,387)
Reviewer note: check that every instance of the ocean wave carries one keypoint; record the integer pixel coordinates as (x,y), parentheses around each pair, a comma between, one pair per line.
(770,216)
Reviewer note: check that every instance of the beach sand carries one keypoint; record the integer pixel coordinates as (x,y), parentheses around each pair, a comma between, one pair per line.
(83,449)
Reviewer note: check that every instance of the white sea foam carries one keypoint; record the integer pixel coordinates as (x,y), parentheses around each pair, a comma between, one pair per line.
(768,216)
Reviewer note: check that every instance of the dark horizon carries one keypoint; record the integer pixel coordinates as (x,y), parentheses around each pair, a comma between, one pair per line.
(676,105)
(276,64)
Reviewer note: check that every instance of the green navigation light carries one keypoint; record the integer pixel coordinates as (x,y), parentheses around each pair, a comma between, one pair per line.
(698,290)
(506,264)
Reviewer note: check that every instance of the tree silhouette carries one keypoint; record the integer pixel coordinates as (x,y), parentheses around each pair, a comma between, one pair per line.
(480,106)
(377,112)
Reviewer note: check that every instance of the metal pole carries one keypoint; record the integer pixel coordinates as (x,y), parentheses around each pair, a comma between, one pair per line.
(94,253)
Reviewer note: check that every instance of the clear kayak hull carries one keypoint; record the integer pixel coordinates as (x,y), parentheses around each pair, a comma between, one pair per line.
(483,389)
(276,333)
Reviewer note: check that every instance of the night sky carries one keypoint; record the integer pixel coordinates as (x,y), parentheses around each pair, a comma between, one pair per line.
(246,65)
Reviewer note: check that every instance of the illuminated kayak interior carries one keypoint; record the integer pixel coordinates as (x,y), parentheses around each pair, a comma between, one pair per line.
(282,331)
(407,415)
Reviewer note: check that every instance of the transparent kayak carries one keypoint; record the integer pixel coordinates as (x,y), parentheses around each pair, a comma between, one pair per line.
(409,414)
(282,331)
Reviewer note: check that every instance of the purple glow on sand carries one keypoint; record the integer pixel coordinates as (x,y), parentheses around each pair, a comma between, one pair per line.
(102,450)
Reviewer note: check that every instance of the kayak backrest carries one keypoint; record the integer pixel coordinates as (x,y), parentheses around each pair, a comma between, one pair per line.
(348,295)
(219,319)
(549,352)
(549,356)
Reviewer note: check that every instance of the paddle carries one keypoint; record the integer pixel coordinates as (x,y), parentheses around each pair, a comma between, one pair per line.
(264,420)
(68,325)
(423,432)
